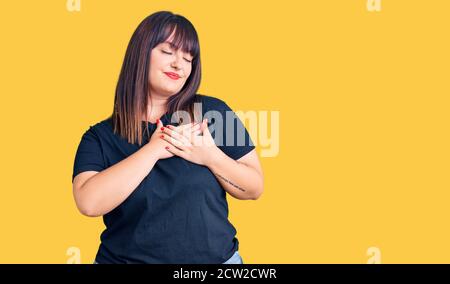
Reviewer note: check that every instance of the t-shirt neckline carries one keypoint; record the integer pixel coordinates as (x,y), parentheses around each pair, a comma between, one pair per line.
(164,119)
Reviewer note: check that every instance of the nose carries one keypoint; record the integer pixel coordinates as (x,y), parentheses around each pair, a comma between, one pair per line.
(176,63)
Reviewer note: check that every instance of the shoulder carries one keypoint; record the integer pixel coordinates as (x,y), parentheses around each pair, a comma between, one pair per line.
(212,103)
(100,129)
(105,124)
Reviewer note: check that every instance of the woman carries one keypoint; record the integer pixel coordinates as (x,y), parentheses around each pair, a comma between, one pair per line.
(153,169)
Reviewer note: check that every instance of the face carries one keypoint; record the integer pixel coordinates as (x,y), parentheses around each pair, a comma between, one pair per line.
(169,69)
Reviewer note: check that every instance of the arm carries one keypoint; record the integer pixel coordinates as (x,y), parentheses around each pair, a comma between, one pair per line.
(242,179)
(103,191)
(97,193)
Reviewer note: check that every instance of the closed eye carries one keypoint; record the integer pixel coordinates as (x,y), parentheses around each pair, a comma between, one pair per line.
(171,54)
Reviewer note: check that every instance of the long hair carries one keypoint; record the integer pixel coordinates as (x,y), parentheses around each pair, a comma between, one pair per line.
(132,90)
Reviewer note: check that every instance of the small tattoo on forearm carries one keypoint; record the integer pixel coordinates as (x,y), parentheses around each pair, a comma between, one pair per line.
(226,180)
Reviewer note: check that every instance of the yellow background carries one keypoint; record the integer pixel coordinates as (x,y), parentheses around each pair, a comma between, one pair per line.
(364,116)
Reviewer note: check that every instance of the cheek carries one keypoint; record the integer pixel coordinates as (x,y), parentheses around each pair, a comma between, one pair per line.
(157,61)
(188,70)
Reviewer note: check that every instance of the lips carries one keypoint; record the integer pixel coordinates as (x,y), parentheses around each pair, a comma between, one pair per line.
(172,75)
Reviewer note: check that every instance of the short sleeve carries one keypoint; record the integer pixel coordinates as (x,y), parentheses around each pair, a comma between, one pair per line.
(89,155)
(233,139)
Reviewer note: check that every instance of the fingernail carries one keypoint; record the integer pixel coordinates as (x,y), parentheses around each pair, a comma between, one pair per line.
(167,147)
(157,120)
(162,136)
(168,126)
(162,128)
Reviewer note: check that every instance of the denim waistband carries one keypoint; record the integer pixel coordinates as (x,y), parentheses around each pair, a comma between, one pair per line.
(234,259)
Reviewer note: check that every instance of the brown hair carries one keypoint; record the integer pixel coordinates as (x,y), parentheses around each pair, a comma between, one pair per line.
(132,90)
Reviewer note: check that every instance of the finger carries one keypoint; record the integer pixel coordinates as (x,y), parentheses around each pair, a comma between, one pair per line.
(175,142)
(189,131)
(194,136)
(171,132)
(172,141)
(184,129)
(176,151)
(179,136)
(206,129)
(159,124)
(187,125)
(201,141)
(204,125)
(196,132)
(196,126)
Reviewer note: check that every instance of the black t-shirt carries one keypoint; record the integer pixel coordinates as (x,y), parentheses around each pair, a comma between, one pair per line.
(178,213)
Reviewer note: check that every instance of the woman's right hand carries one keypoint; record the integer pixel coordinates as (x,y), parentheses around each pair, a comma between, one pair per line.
(158,144)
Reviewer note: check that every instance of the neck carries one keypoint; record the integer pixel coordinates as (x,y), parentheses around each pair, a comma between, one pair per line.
(157,106)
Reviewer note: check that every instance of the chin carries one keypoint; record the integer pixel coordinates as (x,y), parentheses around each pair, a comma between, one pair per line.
(171,91)
(172,88)
(168,92)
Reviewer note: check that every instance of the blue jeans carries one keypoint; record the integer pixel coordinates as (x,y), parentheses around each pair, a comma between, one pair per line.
(234,259)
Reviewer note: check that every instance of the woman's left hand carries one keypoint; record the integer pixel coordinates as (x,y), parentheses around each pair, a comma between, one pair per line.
(189,145)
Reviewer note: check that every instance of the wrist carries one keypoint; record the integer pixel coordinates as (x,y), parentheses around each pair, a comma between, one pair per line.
(151,152)
(215,157)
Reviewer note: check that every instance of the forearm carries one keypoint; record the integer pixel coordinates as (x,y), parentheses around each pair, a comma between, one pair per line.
(238,179)
(110,187)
